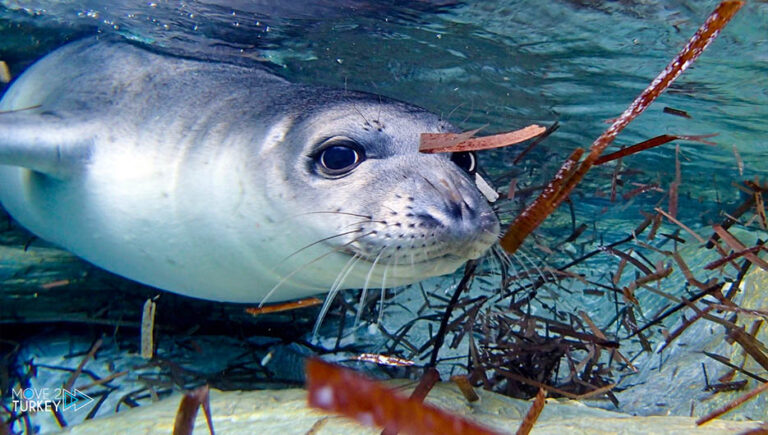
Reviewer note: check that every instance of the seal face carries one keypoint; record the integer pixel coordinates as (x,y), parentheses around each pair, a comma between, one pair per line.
(229,183)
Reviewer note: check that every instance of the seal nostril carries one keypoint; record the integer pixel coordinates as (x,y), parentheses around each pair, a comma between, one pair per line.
(460,210)
(454,210)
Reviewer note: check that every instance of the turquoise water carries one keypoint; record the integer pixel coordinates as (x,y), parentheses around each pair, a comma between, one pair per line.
(498,64)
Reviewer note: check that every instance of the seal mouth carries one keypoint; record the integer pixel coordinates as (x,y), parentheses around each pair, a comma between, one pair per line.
(405,269)
(417,260)
(421,256)
(452,258)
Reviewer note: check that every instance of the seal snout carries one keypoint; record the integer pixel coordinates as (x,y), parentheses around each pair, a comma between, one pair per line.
(459,202)
(461,219)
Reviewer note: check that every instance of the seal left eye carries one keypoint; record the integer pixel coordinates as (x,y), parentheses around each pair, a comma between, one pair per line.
(466,160)
(340,157)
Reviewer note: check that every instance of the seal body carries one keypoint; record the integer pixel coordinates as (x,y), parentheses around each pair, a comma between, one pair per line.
(229,183)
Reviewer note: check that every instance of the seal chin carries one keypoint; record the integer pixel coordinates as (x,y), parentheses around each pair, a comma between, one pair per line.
(423,264)
(437,266)
(403,273)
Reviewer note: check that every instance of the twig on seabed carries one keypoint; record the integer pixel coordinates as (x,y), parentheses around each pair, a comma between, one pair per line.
(732,405)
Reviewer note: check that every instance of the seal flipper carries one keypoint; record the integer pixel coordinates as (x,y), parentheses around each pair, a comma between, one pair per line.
(46,143)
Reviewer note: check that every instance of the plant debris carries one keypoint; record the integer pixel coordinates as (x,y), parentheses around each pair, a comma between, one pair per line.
(428,380)
(148,329)
(89,356)
(533,413)
(187,413)
(5,73)
(552,196)
(456,142)
(465,387)
(739,247)
(651,143)
(551,129)
(284,306)
(676,112)
(733,404)
(336,389)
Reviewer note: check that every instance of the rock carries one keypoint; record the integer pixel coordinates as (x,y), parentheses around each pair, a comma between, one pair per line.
(285,412)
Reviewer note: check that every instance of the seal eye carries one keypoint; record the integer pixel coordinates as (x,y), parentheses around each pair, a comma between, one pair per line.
(466,160)
(338,157)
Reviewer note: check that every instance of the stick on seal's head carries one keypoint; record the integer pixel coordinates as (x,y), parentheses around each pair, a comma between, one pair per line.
(382,212)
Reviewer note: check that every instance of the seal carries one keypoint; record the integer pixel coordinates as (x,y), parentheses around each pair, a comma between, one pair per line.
(229,183)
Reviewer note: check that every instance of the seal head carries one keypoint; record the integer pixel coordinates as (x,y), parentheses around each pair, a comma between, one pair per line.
(399,215)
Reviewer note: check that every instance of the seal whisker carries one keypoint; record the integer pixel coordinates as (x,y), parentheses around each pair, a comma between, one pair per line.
(384,289)
(452,110)
(495,259)
(370,218)
(360,113)
(299,268)
(500,254)
(325,239)
(364,292)
(516,258)
(503,257)
(388,208)
(544,280)
(332,293)
(471,110)
(338,235)
(511,263)
(533,264)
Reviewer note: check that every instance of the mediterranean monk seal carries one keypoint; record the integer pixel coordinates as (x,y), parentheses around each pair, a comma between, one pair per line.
(229,183)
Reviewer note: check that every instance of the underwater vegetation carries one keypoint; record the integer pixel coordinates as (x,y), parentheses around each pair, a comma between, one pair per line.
(514,335)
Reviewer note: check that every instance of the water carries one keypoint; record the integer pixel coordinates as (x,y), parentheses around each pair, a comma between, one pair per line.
(501,65)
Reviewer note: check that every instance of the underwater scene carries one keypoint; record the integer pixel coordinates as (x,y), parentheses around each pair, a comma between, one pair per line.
(354,216)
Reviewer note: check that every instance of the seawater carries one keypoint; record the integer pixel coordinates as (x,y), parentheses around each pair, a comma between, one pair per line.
(499,65)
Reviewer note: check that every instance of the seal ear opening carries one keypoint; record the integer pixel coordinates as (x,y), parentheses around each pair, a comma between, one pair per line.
(44,143)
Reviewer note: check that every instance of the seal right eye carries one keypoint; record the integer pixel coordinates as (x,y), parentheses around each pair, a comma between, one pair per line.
(340,157)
